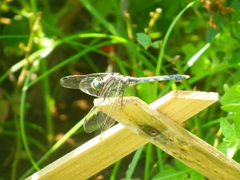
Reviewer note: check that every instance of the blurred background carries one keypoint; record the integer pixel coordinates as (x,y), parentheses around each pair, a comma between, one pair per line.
(43,41)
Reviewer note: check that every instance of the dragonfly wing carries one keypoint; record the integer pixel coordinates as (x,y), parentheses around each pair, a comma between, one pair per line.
(85,86)
(114,96)
(96,118)
(108,123)
(93,120)
(71,82)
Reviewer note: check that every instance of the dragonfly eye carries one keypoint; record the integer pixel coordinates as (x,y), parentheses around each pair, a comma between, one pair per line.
(96,84)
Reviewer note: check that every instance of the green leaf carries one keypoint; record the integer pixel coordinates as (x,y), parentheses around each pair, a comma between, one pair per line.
(231,99)
(227,128)
(230,143)
(231,149)
(144,40)
(222,147)
(230,140)
(227,149)
(234,107)
(237,88)
(237,124)
(156,44)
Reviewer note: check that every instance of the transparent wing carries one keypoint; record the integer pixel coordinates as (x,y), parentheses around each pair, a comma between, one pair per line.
(82,82)
(109,82)
(85,86)
(114,96)
(96,118)
(108,123)
(71,82)
(93,120)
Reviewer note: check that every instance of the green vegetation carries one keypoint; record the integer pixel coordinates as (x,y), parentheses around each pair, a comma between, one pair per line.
(42,41)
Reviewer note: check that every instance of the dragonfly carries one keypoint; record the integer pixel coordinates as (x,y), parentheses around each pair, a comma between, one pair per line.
(107,85)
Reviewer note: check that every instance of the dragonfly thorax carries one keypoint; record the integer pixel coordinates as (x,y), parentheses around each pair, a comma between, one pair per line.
(96,84)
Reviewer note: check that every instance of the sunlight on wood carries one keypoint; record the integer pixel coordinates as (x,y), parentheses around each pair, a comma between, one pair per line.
(185,104)
(148,125)
(160,129)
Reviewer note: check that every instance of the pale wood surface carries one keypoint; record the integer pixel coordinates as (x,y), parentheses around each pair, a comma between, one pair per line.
(185,103)
(119,141)
(162,131)
(93,156)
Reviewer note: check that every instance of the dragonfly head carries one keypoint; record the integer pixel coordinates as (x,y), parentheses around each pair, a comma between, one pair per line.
(96,84)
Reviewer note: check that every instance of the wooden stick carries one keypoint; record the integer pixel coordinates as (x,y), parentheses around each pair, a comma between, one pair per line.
(185,104)
(174,139)
(119,141)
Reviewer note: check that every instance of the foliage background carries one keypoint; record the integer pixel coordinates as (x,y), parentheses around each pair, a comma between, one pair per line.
(42,41)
